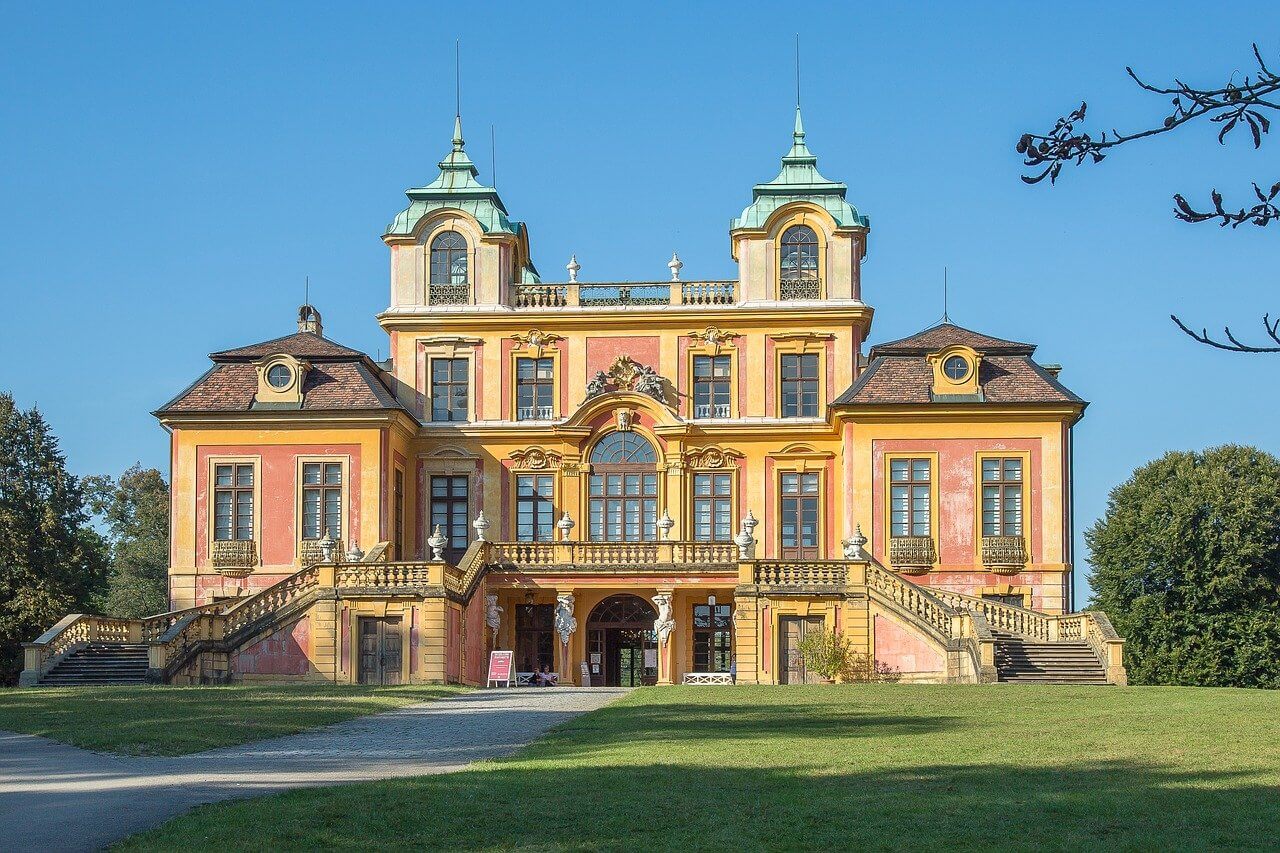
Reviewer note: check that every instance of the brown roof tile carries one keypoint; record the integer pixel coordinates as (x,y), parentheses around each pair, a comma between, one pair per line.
(299,344)
(337,386)
(907,379)
(947,334)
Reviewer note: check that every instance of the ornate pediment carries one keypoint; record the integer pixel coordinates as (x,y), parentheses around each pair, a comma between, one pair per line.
(714,338)
(535,340)
(626,374)
(710,457)
(536,459)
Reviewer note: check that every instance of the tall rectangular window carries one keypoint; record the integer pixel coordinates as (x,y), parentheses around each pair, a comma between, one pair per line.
(713,507)
(233,501)
(321,500)
(712,638)
(910,498)
(399,514)
(1002,497)
(623,507)
(799,516)
(535,515)
(448,389)
(799,386)
(535,383)
(711,386)
(449,511)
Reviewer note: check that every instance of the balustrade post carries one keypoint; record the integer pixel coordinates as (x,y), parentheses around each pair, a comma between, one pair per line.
(571,296)
(157,660)
(1053,630)
(326,574)
(746,572)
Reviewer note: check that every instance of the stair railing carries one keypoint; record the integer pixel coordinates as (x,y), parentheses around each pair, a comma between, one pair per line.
(71,634)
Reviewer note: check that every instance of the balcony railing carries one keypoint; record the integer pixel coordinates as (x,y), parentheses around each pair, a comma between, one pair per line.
(448,294)
(807,574)
(800,288)
(1004,553)
(912,553)
(533,413)
(641,293)
(593,555)
(234,557)
(309,551)
(715,410)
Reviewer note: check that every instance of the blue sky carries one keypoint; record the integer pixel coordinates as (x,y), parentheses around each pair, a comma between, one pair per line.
(170,173)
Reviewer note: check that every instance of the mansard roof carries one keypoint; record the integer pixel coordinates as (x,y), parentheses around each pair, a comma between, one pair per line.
(900,373)
(799,180)
(339,379)
(947,334)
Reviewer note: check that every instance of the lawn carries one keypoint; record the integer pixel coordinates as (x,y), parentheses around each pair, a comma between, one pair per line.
(821,768)
(178,720)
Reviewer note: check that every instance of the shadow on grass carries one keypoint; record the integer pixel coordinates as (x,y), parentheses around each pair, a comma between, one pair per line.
(1099,805)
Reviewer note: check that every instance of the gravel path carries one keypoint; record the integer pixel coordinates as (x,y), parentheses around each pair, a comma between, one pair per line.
(59,797)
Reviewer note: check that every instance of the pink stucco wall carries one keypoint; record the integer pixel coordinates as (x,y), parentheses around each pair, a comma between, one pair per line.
(282,653)
(602,352)
(904,650)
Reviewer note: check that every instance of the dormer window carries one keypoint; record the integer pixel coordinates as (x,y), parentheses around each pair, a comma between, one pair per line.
(956,367)
(280,380)
(799,264)
(449,269)
(955,374)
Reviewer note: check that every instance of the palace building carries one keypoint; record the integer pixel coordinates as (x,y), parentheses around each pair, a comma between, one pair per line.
(621,482)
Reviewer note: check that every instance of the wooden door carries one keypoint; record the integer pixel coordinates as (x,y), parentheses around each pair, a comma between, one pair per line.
(791,668)
(381,651)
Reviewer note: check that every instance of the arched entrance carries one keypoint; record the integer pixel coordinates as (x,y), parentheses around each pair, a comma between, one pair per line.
(622,649)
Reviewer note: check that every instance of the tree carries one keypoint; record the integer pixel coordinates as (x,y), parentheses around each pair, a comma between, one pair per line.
(1186,562)
(50,559)
(1231,106)
(134,510)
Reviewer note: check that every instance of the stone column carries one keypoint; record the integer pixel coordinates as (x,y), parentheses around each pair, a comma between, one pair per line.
(664,628)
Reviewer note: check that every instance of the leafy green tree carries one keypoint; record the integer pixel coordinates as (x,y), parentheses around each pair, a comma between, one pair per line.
(51,561)
(1186,562)
(134,510)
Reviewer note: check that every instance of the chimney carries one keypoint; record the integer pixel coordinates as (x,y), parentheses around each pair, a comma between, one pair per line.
(309,321)
(1052,369)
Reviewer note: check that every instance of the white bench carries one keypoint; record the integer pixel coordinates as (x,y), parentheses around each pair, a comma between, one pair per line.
(708,678)
(530,679)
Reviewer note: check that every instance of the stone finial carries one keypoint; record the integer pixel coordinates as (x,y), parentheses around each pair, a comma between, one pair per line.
(675,265)
(436,542)
(573,266)
(566,524)
(326,544)
(666,523)
(481,524)
(354,554)
(853,546)
(744,540)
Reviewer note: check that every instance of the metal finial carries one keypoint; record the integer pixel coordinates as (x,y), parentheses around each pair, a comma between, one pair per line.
(946,318)
(797,71)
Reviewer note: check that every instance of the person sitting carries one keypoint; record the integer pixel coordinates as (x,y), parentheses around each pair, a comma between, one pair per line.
(544,677)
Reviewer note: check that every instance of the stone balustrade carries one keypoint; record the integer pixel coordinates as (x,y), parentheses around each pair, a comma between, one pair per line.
(614,294)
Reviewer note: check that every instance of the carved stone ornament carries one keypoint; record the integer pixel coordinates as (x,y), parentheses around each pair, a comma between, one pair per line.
(710,457)
(536,459)
(626,374)
(624,420)
(436,543)
(492,613)
(714,337)
(535,340)
(566,624)
(853,546)
(744,540)
(665,623)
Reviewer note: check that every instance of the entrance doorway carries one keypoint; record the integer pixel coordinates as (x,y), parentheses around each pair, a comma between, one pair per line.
(380,650)
(792,630)
(622,649)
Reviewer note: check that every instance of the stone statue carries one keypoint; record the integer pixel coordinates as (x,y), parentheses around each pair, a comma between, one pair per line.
(648,382)
(492,614)
(566,624)
(665,623)
(598,385)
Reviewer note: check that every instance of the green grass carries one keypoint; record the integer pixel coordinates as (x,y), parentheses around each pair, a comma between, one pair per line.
(878,766)
(178,720)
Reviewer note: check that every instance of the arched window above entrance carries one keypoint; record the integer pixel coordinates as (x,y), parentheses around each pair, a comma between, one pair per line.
(624,448)
(625,610)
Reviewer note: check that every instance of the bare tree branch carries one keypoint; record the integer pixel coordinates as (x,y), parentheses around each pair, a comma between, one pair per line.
(1263,213)
(1229,106)
(1272,327)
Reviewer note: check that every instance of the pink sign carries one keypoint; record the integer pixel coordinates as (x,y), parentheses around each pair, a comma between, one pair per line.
(500,668)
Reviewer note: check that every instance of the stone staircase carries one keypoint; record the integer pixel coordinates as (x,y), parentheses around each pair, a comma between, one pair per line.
(1023,661)
(99,664)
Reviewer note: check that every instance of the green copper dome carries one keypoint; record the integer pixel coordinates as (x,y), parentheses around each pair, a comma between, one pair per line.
(799,180)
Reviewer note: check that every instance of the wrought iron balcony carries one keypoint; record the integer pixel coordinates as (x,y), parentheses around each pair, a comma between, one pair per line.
(800,288)
(1008,553)
(448,294)
(912,553)
(638,293)
(234,558)
(309,551)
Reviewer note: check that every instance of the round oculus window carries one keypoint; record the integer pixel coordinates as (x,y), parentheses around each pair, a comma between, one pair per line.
(956,368)
(279,375)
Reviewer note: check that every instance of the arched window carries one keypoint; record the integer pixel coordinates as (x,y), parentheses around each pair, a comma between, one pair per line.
(623,489)
(624,447)
(799,264)
(449,258)
(448,285)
